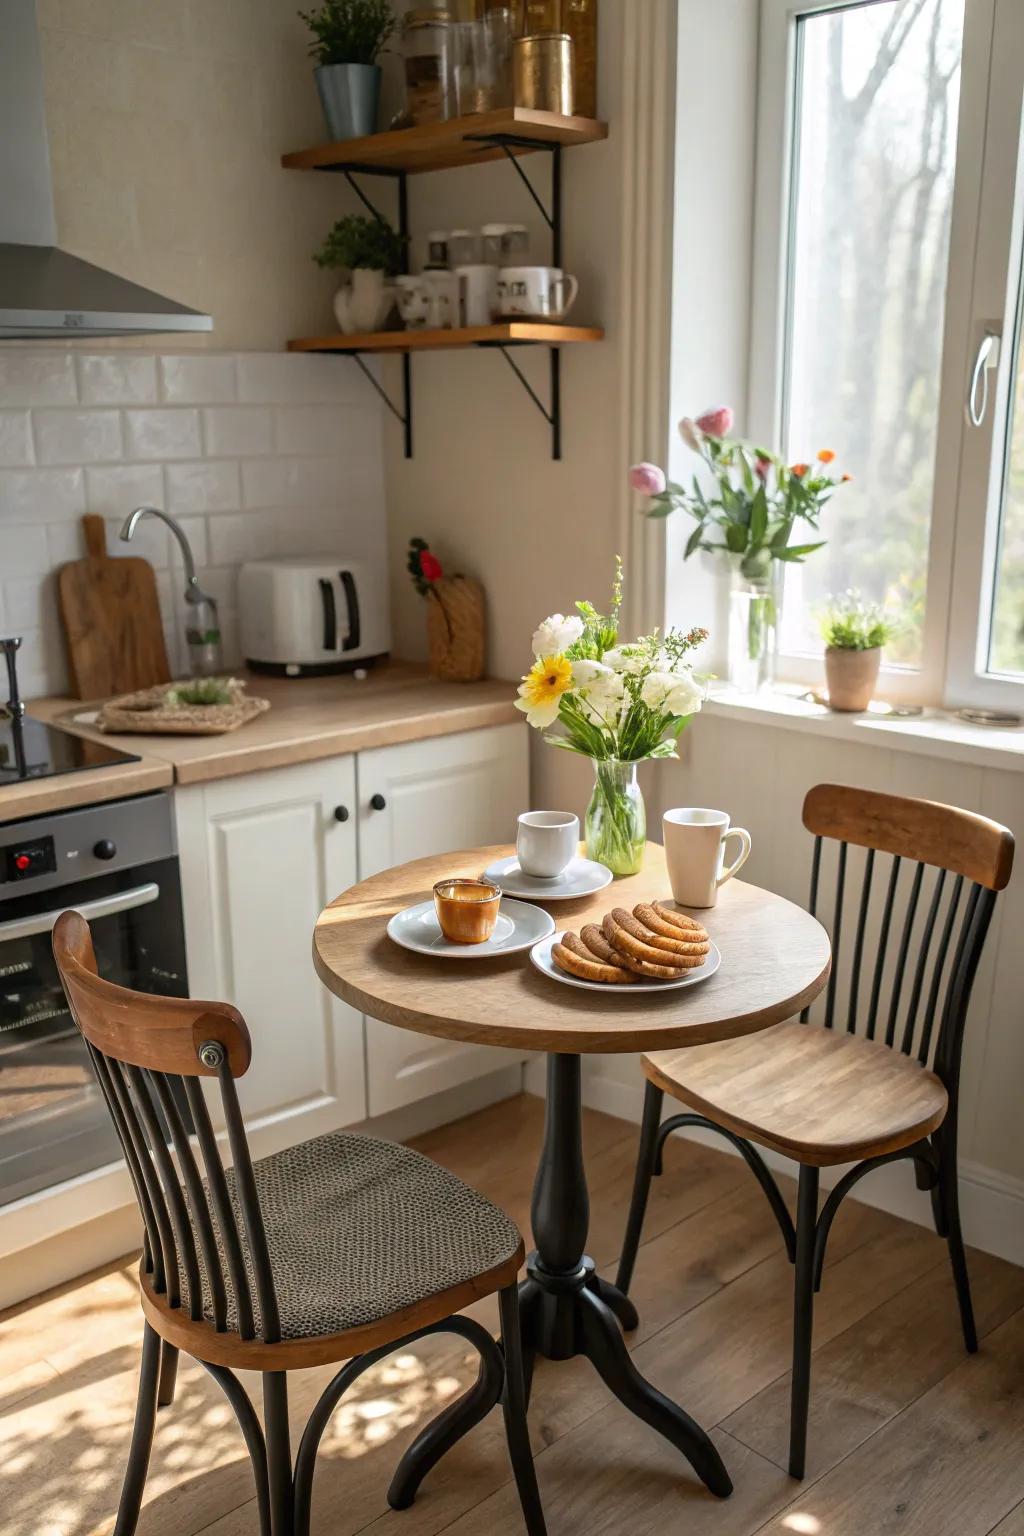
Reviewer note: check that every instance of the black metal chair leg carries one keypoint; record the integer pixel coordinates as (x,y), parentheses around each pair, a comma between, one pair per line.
(279,1456)
(514,1408)
(252,1433)
(803,1318)
(168,1376)
(645,1168)
(142,1436)
(949,1197)
(445,1431)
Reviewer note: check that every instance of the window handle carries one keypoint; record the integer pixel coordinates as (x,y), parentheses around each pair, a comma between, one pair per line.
(986,359)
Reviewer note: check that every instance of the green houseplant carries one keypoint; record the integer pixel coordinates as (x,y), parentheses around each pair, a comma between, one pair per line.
(371,251)
(348,37)
(854,631)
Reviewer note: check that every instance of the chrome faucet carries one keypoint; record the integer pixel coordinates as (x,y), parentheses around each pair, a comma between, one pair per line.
(202,630)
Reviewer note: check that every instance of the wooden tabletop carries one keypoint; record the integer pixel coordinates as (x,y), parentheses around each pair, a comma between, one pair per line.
(775,959)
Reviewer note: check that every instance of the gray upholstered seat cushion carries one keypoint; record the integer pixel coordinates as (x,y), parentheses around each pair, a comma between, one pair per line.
(359,1228)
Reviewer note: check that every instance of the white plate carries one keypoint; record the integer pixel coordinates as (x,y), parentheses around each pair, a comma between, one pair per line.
(518,927)
(542,959)
(580,877)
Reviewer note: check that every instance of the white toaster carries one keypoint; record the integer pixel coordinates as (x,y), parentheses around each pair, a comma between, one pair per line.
(312,614)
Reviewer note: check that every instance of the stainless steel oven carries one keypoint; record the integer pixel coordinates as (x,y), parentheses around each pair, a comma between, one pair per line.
(117,864)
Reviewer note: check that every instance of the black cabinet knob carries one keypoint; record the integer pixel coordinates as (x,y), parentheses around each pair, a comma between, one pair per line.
(341,813)
(378,802)
(105,849)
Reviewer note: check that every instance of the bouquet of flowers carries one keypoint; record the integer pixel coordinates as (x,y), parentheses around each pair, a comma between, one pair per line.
(618,704)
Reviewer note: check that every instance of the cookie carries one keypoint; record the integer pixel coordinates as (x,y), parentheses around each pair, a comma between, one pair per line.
(619,936)
(674,920)
(695,943)
(598,945)
(573,956)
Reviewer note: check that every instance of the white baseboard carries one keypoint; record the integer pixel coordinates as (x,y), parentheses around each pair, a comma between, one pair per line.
(991,1203)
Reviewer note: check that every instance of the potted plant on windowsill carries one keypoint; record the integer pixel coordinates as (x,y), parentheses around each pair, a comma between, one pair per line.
(854,632)
(371,251)
(747,509)
(349,36)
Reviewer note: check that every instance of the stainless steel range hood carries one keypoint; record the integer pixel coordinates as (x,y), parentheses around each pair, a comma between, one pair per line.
(44,291)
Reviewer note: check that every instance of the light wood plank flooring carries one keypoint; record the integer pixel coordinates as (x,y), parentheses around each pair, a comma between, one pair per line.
(907,1434)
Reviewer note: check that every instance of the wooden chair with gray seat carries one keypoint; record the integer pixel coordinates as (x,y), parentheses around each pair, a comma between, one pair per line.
(343,1248)
(879,1080)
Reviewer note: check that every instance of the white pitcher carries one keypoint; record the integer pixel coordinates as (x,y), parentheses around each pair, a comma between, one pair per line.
(363,304)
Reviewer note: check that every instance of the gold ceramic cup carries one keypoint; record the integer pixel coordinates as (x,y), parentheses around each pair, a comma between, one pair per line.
(467,910)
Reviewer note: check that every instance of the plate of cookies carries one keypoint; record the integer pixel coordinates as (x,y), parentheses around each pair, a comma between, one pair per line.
(653,948)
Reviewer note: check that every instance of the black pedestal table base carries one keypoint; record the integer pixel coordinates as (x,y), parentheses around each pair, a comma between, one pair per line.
(566,1308)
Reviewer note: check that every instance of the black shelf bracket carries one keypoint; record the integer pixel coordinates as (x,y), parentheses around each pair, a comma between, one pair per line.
(553,417)
(399,415)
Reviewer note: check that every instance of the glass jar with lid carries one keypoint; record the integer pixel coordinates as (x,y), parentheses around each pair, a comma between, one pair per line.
(463,248)
(426,49)
(506,245)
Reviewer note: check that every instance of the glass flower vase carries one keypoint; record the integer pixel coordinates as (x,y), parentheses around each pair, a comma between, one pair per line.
(754,605)
(616,822)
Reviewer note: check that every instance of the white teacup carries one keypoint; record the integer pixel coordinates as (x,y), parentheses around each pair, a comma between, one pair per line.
(695,840)
(546,842)
(543,293)
(478,293)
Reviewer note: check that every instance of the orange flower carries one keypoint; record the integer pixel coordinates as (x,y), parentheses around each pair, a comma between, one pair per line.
(800,470)
(844,479)
(826,456)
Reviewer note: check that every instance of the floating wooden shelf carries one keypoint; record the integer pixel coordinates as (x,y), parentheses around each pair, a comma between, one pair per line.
(508,333)
(440,146)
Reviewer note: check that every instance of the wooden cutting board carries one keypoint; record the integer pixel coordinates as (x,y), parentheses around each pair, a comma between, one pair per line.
(111,616)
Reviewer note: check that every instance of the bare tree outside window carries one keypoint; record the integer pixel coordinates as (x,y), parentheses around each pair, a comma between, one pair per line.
(877,99)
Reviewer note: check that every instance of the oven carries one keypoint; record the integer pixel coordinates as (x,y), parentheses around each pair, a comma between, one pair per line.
(116,864)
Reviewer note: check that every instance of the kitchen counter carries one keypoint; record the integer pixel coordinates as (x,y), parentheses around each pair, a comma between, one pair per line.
(309,718)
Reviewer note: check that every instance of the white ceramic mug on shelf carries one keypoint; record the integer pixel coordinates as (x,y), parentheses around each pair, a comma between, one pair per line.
(478,293)
(537,293)
(695,840)
(546,842)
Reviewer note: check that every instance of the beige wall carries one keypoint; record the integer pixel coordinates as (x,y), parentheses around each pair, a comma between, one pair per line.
(167,120)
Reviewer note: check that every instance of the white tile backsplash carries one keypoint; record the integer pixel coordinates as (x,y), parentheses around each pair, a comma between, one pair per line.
(256,454)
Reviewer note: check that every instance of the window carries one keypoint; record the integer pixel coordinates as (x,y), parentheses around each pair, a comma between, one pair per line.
(888,279)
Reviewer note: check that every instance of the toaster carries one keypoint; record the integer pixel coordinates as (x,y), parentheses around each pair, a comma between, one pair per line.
(308,615)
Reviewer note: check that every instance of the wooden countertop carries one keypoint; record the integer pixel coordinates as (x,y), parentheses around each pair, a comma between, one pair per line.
(309,718)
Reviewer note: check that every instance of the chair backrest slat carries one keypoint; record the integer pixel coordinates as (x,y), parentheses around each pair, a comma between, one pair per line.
(223,1213)
(147,1052)
(922,991)
(198,1208)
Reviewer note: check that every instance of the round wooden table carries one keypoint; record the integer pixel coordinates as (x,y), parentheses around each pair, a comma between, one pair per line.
(775,960)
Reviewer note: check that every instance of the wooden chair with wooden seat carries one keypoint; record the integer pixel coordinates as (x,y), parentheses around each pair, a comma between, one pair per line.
(344,1248)
(879,1080)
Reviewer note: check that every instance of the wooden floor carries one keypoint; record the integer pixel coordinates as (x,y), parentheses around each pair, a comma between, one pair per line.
(907,1434)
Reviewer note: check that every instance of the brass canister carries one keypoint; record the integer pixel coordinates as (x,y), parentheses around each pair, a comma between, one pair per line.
(543,72)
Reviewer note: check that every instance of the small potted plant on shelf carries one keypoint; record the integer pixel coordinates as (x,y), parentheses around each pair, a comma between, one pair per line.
(854,632)
(371,251)
(348,37)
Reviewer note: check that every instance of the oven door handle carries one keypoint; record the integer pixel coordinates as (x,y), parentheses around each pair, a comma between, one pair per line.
(103,906)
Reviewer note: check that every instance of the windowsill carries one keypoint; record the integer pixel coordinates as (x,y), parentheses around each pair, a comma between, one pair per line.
(936,733)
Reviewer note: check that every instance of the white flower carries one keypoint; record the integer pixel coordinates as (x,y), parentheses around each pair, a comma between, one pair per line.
(677,693)
(556,634)
(600,688)
(540,716)
(625,658)
(691,435)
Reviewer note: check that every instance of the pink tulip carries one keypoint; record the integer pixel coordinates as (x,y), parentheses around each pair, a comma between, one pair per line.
(716,422)
(690,436)
(648,479)
(762,465)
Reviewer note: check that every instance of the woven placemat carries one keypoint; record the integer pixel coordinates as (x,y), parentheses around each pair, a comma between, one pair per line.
(149,713)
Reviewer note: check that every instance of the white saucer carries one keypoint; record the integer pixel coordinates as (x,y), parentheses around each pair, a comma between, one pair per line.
(519,926)
(580,877)
(542,959)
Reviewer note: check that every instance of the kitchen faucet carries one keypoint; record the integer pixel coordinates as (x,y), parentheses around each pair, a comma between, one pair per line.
(202,629)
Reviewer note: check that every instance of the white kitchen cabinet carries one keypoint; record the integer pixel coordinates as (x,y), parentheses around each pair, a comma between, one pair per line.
(261,854)
(418,799)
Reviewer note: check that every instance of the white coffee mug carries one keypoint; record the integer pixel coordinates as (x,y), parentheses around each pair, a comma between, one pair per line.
(442,300)
(413,301)
(541,293)
(547,841)
(478,293)
(695,840)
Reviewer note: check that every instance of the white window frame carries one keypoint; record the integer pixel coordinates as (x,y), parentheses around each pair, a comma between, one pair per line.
(949,610)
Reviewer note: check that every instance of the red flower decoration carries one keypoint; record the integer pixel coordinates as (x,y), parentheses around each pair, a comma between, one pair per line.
(430,566)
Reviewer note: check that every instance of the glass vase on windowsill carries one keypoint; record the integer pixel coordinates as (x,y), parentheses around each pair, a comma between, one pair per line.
(755,606)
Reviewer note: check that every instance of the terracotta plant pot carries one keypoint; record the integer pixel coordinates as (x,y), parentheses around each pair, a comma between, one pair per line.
(456,615)
(850,677)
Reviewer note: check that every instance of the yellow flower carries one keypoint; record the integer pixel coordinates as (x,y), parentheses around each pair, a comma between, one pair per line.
(542,689)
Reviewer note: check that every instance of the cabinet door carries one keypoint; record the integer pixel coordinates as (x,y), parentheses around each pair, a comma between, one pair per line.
(261,856)
(447,793)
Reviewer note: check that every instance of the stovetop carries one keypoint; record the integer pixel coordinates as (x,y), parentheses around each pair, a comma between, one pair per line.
(31,750)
